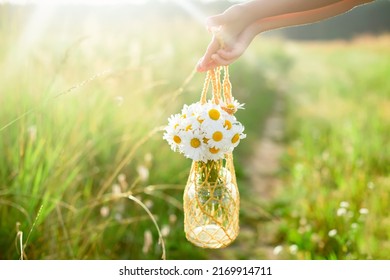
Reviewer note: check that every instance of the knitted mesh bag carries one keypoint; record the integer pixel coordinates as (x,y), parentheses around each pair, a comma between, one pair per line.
(211,197)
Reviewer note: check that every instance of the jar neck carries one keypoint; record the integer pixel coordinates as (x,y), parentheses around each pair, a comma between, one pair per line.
(209,172)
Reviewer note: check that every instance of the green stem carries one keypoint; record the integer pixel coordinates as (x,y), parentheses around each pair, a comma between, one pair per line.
(210,172)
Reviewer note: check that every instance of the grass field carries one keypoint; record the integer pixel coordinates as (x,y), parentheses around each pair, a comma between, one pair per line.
(337,162)
(82,102)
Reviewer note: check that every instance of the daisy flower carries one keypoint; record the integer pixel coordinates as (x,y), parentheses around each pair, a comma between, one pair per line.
(193,145)
(173,132)
(229,120)
(174,139)
(190,124)
(213,153)
(174,121)
(236,134)
(218,136)
(191,111)
(232,106)
(211,112)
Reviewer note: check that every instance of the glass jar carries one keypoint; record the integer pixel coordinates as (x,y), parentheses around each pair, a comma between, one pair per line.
(211,205)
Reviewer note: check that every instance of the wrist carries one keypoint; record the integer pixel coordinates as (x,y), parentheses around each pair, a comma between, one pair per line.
(251,11)
(246,13)
(256,28)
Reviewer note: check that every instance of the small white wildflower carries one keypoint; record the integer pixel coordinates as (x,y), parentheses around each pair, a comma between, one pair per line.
(121,177)
(277,250)
(119,100)
(325,155)
(32,132)
(301,230)
(116,190)
(341,212)
(143,173)
(148,241)
(370,185)
(332,233)
(148,203)
(344,204)
(363,211)
(104,211)
(172,218)
(293,249)
(148,158)
(122,181)
(165,230)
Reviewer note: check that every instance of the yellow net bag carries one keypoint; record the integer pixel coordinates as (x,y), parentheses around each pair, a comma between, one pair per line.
(211,197)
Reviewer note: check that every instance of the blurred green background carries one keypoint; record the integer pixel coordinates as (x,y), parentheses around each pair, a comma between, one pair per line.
(84,91)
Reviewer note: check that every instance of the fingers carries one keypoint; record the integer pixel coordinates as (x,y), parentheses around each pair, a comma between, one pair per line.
(219,61)
(219,58)
(203,67)
(206,67)
(215,61)
(215,20)
(228,54)
(206,60)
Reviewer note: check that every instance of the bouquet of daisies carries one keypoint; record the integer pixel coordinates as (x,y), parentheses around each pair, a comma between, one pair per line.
(207,132)
(204,132)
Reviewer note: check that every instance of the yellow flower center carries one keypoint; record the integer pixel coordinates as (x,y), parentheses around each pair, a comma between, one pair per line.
(235,138)
(213,150)
(228,124)
(214,114)
(195,143)
(231,106)
(189,127)
(217,136)
(200,120)
(176,125)
(177,139)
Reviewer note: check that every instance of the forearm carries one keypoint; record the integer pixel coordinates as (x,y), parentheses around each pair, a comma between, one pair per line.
(311,16)
(259,9)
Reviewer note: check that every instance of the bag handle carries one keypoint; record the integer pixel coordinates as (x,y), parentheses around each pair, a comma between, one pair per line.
(214,76)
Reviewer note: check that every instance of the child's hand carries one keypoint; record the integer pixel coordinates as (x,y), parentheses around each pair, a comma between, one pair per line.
(217,56)
(227,39)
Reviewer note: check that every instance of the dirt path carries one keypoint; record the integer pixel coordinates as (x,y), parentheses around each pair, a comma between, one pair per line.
(264,164)
(256,238)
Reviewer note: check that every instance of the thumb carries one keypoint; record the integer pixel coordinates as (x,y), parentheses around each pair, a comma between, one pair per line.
(215,20)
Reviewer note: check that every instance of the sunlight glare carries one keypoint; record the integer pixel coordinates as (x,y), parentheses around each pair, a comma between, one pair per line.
(33,30)
(74,2)
(192,10)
